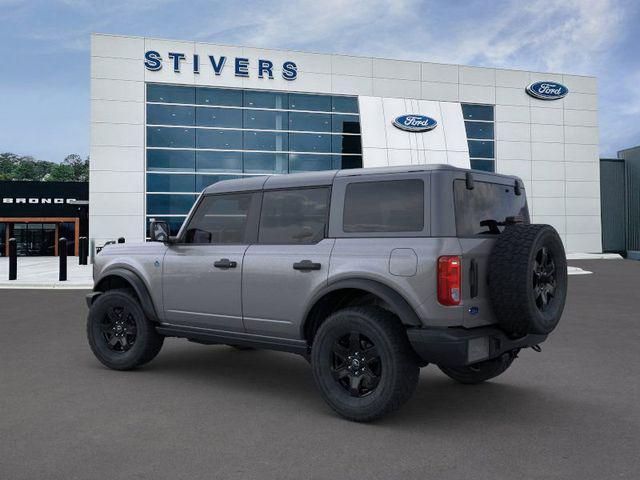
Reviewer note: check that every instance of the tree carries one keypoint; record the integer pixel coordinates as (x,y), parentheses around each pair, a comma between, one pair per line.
(16,167)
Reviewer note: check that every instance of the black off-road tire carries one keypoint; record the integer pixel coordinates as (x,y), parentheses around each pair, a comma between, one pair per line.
(480,372)
(396,367)
(514,279)
(145,343)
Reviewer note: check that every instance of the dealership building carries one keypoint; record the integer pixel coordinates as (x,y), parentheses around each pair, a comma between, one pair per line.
(169,118)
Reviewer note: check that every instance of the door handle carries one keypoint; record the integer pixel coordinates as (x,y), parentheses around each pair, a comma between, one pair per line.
(225,263)
(306,265)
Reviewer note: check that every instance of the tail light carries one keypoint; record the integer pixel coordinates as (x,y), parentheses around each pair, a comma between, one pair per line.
(449,280)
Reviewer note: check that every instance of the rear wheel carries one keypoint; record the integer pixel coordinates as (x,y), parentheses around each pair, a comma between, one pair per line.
(119,334)
(363,363)
(480,372)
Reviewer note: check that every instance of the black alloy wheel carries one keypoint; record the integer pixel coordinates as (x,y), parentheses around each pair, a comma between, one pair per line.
(118,329)
(357,366)
(544,278)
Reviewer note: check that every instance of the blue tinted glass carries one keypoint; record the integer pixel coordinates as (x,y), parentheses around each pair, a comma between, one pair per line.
(346,144)
(218,161)
(203,181)
(477,112)
(170,137)
(265,141)
(223,139)
(310,122)
(174,223)
(486,165)
(170,94)
(219,117)
(479,129)
(307,163)
(168,182)
(219,96)
(169,204)
(265,99)
(259,162)
(316,103)
(169,114)
(174,160)
(265,120)
(345,104)
(345,123)
(347,161)
(481,149)
(310,142)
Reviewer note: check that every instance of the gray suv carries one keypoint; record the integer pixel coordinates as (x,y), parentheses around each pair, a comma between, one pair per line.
(370,274)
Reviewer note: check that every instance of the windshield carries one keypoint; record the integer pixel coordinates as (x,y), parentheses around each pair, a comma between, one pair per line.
(483,210)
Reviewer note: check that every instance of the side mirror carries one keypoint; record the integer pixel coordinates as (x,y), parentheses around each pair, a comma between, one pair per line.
(159,231)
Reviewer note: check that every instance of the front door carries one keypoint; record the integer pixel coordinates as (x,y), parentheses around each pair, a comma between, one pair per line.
(202,272)
(289,263)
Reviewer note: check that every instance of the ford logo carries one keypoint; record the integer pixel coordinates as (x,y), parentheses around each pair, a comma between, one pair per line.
(415,123)
(547,90)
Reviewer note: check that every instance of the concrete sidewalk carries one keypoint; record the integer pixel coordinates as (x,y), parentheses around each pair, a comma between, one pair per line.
(42,272)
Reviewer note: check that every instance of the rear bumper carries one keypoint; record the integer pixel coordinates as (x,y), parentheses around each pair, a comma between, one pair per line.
(455,347)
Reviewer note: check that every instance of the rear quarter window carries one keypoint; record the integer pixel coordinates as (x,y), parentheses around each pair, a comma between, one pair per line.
(487,201)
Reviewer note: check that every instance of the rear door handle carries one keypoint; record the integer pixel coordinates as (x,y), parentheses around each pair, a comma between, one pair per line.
(225,263)
(306,265)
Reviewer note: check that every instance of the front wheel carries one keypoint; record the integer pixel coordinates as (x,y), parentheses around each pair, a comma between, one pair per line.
(482,371)
(363,363)
(119,334)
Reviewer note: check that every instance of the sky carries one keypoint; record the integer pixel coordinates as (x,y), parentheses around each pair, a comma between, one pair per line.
(44,74)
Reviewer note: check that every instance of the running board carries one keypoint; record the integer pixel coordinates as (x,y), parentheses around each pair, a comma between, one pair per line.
(212,337)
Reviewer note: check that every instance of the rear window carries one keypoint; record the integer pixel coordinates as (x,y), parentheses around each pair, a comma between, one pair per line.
(388,206)
(486,202)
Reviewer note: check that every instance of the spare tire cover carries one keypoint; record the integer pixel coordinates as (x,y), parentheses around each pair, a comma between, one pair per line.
(527,279)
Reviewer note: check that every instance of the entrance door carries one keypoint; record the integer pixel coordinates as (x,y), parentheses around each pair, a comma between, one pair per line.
(35,239)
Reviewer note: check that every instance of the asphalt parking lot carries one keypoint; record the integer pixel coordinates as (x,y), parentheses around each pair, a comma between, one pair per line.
(572,411)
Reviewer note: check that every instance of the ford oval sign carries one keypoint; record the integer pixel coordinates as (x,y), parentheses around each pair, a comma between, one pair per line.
(415,123)
(547,90)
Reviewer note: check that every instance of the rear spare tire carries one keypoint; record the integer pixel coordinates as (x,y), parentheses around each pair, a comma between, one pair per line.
(528,279)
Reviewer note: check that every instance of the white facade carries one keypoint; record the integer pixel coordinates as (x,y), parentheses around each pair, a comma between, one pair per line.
(551,145)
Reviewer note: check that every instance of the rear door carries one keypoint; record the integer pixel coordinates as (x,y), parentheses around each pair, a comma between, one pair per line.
(290,262)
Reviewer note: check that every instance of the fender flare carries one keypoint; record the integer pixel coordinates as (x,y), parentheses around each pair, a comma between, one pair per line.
(138,286)
(397,302)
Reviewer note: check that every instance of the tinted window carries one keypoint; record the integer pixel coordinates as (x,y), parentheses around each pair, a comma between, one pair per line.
(265,120)
(223,139)
(390,206)
(170,94)
(348,161)
(220,219)
(481,149)
(310,142)
(345,124)
(295,216)
(310,122)
(171,160)
(309,162)
(169,115)
(346,144)
(219,97)
(345,104)
(479,129)
(265,99)
(168,182)
(207,161)
(203,181)
(477,112)
(259,162)
(170,137)
(219,117)
(485,165)
(265,141)
(487,201)
(177,204)
(316,103)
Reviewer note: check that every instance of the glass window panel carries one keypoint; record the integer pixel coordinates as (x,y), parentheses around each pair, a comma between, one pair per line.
(218,161)
(347,161)
(220,219)
(169,204)
(265,141)
(389,206)
(257,99)
(171,160)
(310,142)
(259,162)
(345,104)
(316,103)
(479,129)
(295,216)
(224,97)
(223,139)
(170,137)
(3,234)
(477,112)
(481,149)
(307,163)
(168,182)
(346,144)
(170,94)
(169,115)
(310,122)
(203,181)
(486,165)
(219,117)
(174,223)
(265,120)
(345,123)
